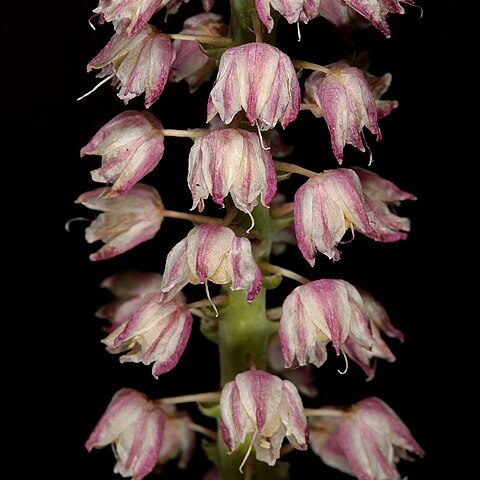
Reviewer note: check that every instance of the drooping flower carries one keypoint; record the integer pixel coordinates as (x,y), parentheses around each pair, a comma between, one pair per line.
(300,376)
(341,15)
(266,407)
(157,333)
(178,440)
(366,442)
(131,145)
(129,289)
(379,322)
(378,86)
(191,64)
(319,312)
(293,10)
(326,206)
(144,434)
(125,222)
(261,80)
(376,11)
(136,64)
(232,161)
(380,196)
(135,426)
(212,253)
(347,104)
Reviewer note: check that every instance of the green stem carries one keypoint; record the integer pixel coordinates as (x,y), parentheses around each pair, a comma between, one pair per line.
(244,329)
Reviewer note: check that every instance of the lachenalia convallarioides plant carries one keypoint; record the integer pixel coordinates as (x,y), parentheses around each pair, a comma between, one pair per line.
(265,355)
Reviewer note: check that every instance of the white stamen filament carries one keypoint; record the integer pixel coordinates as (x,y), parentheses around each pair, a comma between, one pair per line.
(252,224)
(298,32)
(260,136)
(90,22)
(105,80)
(343,372)
(248,452)
(210,299)
(75,219)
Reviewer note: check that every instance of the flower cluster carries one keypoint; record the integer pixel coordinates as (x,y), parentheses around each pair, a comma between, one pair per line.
(266,356)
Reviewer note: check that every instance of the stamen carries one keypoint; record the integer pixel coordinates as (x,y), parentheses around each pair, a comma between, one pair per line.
(209,298)
(75,219)
(248,452)
(343,372)
(105,80)
(252,221)
(298,32)
(90,21)
(367,146)
(260,136)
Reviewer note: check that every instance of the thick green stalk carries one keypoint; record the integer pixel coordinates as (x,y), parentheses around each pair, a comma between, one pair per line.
(243,328)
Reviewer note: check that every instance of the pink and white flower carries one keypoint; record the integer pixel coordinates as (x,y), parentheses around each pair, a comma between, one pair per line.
(131,145)
(380,196)
(125,222)
(144,434)
(266,407)
(129,289)
(157,333)
(136,64)
(261,80)
(191,64)
(135,426)
(320,312)
(367,441)
(178,439)
(376,11)
(231,161)
(212,253)
(379,322)
(347,104)
(293,10)
(327,206)
(341,15)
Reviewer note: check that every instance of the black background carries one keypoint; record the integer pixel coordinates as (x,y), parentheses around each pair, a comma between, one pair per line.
(69,378)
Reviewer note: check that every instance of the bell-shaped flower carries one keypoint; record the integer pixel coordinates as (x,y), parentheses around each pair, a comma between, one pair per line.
(347,104)
(212,253)
(380,197)
(135,427)
(300,376)
(367,441)
(178,439)
(191,64)
(325,207)
(136,64)
(293,10)
(231,161)
(379,86)
(319,312)
(378,316)
(261,80)
(133,14)
(129,288)
(376,11)
(125,222)
(267,408)
(379,323)
(342,16)
(157,333)
(131,145)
